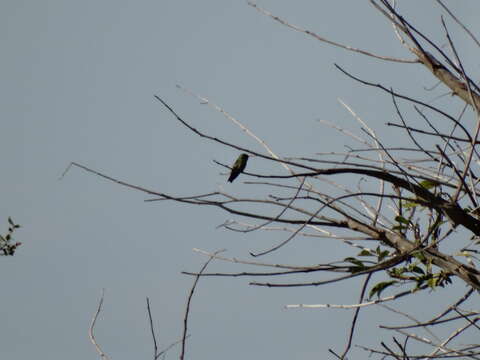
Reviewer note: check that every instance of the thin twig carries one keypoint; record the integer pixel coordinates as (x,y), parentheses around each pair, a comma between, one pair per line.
(355,316)
(92,326)
(155,347)
(322,39)
(356,306)
(460,23)
(189,300)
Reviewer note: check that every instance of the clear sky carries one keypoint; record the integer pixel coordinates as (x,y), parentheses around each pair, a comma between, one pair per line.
(77,84)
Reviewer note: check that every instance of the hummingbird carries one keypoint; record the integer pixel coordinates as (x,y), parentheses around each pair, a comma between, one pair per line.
(238,167)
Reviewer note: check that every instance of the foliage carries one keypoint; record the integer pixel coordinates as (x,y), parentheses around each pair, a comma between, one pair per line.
(7,245)
(423,216)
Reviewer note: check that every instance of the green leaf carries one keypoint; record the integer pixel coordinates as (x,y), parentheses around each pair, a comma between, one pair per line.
(428,184)
(417,270)
(378,288)
(358,265)
(365,252)
(409,204)
(383,255)
(398,271)
(432,282)
(354,261)
(401,220)
(420,256)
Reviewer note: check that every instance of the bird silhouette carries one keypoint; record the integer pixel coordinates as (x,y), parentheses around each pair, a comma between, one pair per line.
(238,167)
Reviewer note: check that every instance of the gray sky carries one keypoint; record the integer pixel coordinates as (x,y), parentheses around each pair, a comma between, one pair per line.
(78,79)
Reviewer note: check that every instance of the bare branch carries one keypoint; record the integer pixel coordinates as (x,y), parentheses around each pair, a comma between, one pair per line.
(189,300)
(92,326)
(322,39)
(355,317)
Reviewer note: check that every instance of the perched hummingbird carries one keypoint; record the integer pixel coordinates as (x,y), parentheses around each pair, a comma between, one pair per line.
(238,167)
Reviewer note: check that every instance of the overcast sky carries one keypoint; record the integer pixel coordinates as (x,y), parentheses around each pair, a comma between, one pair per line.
(78,80)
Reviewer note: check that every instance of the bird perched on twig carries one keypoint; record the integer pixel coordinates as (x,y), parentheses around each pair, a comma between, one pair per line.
(238,167)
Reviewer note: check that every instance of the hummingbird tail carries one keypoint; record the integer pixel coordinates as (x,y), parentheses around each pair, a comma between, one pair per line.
(232,176)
